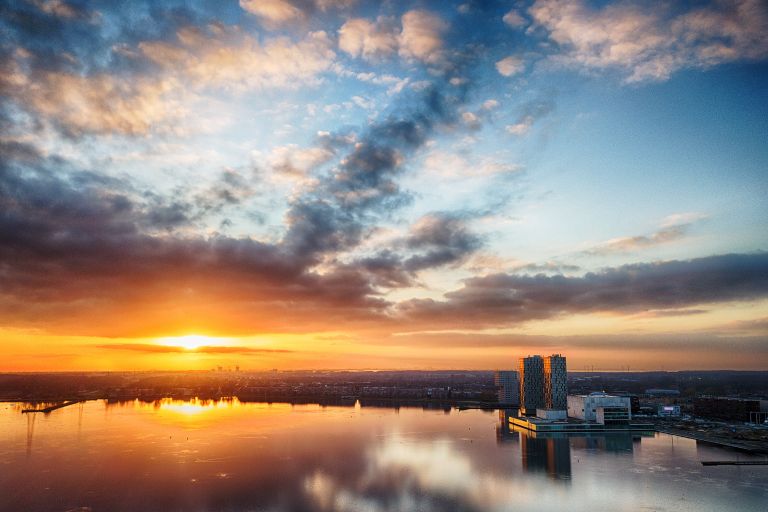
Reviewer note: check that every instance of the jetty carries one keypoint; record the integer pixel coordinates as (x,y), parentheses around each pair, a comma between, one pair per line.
(541,426)
(734,463)
(50,408)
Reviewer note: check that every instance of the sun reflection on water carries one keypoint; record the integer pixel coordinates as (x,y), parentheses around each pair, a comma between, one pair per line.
(192,411)
(199,412)
(196,406)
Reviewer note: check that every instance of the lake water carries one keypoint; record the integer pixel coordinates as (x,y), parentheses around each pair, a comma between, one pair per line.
(230,456)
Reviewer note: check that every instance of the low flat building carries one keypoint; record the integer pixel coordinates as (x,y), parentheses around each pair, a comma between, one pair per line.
(569,426)
(669,410)
(657,392)
(600,408)
(551,414)
(728,409)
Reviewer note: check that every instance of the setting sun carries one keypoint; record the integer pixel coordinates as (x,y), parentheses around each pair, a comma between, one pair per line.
(189,342)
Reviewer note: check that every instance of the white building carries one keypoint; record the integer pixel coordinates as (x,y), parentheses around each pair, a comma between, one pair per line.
(600,408)
(507,386)
(669,410)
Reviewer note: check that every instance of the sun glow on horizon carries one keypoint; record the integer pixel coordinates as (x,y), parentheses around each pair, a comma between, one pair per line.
(195,406)
(190,342)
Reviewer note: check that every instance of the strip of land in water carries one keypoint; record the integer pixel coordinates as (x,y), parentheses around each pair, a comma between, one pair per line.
(52,407)
(756,446)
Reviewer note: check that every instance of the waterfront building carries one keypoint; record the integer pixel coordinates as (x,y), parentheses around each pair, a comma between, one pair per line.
(551,414)
(668,410)
(550,455)
(507,387)
(634,401)
(729,409)
(600,408)
(656,392)
(543,383)
(531,373)
(555,382)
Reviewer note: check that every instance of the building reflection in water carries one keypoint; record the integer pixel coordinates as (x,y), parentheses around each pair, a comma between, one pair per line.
(503,433)
(616,442)
(550,453)
(30,432)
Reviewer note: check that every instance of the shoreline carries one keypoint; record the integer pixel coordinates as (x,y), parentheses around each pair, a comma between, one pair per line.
(754,448)
(735,445)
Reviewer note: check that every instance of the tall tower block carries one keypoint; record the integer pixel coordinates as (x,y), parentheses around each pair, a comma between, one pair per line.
(531,374)
(555,382)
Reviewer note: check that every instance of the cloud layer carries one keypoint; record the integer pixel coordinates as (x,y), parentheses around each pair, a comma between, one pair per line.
(649,44)
(301,166)
(508,299)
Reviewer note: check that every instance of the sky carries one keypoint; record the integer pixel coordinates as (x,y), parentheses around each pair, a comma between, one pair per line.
(331,184)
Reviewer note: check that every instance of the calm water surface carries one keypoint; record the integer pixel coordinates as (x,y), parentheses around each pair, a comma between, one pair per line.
(229,456)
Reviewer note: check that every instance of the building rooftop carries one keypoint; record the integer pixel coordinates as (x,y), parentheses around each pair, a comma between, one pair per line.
(600,394)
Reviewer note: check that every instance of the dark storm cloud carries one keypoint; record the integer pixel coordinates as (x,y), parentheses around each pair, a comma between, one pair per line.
(758,344)
(74,239)
(45,197)
(71,235)
(78,237)
(508,299)
(385,269)
(440,239)
(350,200)
(363,188)
(231,188)
(436,240)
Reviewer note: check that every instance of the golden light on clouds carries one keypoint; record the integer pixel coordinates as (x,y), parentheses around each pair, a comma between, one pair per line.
(190,342)
(323,184)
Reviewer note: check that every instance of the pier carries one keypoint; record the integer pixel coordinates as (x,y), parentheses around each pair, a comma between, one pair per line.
(50,408)
(573,425)
(734,463)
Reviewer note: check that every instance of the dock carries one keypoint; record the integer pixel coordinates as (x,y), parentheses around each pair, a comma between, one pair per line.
(734,463)
(742,445)
(571,425)
(50,408)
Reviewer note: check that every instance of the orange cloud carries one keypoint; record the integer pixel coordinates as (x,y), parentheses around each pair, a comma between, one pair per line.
(204,349)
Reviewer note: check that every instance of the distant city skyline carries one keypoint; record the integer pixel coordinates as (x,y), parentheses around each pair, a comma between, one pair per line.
(345,184)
